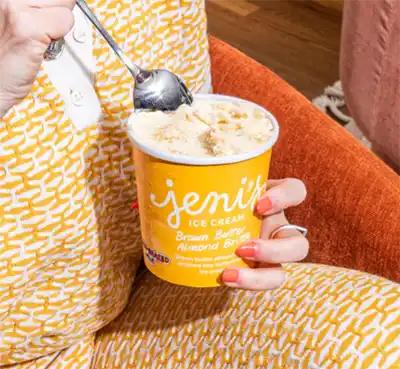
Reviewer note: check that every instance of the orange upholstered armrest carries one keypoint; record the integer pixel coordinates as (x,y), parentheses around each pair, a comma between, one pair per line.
(353,204)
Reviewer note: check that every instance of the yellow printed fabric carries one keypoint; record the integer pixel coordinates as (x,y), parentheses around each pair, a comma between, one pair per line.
(70,246)
(323,317)
(69,242)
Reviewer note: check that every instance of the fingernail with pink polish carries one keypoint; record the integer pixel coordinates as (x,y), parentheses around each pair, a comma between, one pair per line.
(247,251)
(264,205)
(230,276)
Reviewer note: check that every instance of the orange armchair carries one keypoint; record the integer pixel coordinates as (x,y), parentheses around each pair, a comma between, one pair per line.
(353,205)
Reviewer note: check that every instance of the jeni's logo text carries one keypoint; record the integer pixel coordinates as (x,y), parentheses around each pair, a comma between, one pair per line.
(246,197)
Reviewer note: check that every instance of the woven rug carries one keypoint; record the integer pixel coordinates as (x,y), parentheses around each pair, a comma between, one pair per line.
(332,103)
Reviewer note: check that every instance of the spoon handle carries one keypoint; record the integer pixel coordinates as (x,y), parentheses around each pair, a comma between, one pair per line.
(54,50)
(135,70)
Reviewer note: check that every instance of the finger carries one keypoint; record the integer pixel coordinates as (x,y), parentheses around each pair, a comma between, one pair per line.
(281,195)
(57,22)
(288,245)
(254,279)
(50,3)
(272,223)
(274,182)
(276,251)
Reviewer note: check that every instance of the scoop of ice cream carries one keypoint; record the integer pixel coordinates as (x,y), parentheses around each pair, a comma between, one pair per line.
(207,128)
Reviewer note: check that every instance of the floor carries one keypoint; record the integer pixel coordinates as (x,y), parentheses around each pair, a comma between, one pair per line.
(297,39)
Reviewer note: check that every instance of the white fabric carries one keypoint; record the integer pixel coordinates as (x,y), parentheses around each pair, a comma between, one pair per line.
(72,74)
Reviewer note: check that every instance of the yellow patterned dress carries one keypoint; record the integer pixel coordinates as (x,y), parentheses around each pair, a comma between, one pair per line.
(70,245)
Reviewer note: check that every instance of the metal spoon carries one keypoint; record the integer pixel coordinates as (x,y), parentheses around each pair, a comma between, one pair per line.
(156,89)
(54,50)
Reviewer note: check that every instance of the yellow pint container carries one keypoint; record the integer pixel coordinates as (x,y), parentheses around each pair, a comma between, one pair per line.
(195,212)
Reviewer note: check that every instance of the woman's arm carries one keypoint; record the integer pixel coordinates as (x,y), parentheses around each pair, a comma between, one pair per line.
(352,209)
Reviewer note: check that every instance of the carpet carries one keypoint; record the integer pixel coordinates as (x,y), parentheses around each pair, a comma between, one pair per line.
(332,102)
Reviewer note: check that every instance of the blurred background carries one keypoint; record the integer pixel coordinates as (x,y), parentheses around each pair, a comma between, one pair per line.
(297,39)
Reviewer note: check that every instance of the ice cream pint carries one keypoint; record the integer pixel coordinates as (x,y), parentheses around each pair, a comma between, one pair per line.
(196,211)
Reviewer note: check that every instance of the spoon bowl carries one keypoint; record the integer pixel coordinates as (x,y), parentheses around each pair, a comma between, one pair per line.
(161,90)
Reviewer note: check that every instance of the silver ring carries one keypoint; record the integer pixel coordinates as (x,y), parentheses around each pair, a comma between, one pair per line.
(302,230)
